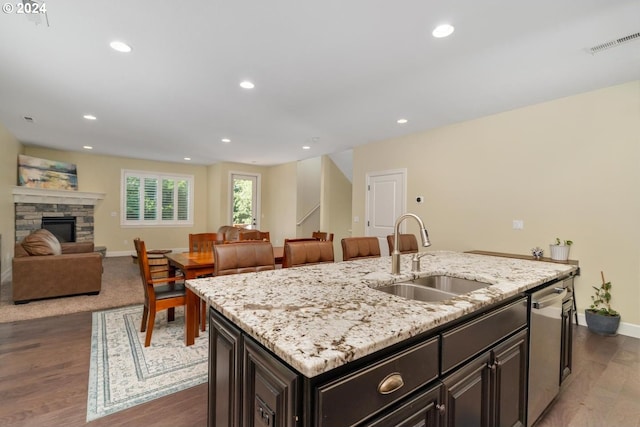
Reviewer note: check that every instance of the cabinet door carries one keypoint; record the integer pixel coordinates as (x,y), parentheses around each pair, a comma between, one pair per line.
(424,410)
(467,394)
(271,390)
(567,340)
(225,351)
(509,379)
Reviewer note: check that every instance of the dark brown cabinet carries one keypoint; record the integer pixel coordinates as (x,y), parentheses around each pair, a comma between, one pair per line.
(225,351)
(567,340)
(270,390)
(247,386)
(467,394)
(489,390)
(424,410)
(377,386)
(481,382)
(509,382)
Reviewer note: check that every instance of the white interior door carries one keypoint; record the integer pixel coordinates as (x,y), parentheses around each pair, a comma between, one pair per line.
(245,198)
(386,201)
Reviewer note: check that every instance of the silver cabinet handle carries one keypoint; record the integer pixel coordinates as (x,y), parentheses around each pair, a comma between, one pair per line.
(549,299)
(390,383)
(441,408)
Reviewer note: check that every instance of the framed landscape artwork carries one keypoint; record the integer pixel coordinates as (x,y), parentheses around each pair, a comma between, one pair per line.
(40,173)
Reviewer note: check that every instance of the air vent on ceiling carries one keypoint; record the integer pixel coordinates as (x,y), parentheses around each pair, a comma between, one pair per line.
(614,43)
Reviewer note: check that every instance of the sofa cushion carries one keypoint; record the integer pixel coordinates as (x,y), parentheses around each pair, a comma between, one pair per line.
(41,242)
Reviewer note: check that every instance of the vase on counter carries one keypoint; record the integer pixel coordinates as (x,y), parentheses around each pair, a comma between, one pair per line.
(559,252)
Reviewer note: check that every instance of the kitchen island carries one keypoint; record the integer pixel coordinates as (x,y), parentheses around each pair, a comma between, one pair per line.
(324,319)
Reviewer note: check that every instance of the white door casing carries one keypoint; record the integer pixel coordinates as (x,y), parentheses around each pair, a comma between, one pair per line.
(386,201)
(254,179)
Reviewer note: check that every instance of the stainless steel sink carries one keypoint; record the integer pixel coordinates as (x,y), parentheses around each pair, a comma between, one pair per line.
(433,288)
(455,285)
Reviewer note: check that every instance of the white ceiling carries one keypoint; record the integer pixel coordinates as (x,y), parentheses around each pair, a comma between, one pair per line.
(332,74)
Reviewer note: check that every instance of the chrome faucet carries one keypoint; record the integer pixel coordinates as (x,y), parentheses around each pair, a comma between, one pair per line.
(395,255)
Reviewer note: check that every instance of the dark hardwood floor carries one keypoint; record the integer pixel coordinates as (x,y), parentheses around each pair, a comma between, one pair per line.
(44,367)
(44,373)
(604,387)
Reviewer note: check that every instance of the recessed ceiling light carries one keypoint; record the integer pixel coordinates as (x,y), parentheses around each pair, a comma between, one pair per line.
(87,147)
(443,30)
(187,158)
(225,140)
(402,121)
(247,85)
(120,46)
(306,147)
(89,117)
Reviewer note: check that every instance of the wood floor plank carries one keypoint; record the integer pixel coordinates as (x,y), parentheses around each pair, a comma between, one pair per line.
(44,374)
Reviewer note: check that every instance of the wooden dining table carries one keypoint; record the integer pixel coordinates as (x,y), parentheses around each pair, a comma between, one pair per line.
(194,265)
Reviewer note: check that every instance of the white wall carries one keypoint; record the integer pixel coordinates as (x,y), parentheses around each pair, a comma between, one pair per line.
(568,168)
(335,209)
(308,190)
(279,202)
(9,149)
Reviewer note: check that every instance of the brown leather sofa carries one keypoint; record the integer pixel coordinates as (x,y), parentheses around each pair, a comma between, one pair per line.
(43,273)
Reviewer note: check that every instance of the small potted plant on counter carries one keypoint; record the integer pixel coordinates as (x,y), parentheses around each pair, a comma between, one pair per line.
(601,318)
(560,249)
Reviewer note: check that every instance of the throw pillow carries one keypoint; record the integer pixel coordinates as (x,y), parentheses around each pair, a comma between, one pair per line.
(42,242)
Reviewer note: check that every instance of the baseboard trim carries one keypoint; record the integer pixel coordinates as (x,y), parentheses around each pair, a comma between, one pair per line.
(6,276)
(627,329)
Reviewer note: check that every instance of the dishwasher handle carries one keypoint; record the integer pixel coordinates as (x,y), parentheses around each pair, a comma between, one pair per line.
(559,294)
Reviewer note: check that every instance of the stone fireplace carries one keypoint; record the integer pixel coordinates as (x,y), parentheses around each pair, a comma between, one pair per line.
(63,227)
(32,204)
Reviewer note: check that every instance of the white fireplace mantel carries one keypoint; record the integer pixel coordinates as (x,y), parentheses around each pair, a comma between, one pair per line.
(60,197)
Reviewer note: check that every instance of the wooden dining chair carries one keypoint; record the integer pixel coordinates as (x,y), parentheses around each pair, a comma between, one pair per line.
(322,235)
(160,293)
(307,252)
(360,247)
(202,242)
(246,257)
(408,243)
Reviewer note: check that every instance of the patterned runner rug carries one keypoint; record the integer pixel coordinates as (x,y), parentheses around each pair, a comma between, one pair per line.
(123,373)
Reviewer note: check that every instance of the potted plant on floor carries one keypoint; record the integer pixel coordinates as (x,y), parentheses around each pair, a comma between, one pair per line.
(560,249)
(601,318)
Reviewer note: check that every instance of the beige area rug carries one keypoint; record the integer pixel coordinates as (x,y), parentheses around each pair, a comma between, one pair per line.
(123,372)
(121,286)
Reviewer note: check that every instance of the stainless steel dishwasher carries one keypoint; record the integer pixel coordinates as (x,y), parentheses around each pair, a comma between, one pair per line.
(545,342)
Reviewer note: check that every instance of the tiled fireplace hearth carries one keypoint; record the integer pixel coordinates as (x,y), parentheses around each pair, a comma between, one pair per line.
(31,204)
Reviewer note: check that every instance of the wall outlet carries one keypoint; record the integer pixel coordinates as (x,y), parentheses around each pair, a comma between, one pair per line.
(518,224)
(126,242)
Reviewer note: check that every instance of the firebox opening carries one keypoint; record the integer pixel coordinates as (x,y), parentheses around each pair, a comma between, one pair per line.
(64,228)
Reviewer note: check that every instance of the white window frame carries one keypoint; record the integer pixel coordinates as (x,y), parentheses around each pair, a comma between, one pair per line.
(258,189)
(158,222)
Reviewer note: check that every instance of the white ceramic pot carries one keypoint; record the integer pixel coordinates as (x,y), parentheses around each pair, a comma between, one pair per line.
(559,252)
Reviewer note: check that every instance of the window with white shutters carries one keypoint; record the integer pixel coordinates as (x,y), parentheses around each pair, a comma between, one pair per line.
(156,199)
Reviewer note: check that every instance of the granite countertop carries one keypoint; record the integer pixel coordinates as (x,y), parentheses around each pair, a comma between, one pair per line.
(319,317)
